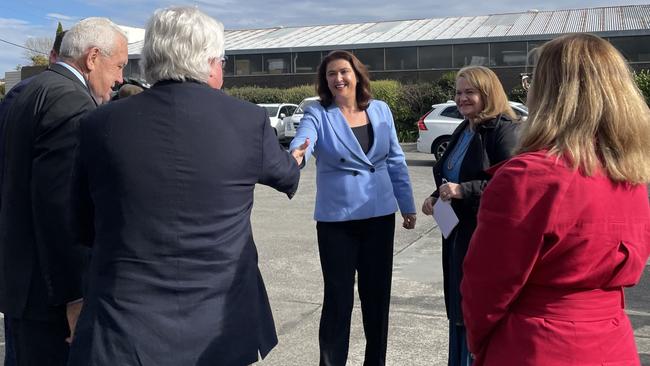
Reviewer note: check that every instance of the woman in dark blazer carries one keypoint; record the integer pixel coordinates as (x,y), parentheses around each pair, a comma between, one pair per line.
(486,137)
(361,179)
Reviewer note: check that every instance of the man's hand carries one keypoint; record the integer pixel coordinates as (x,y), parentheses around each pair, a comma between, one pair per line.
(72,311)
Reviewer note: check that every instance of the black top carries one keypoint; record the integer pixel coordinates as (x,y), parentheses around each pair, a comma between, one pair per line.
(365,136)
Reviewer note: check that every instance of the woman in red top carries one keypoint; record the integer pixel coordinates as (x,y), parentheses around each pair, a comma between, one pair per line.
(565,225)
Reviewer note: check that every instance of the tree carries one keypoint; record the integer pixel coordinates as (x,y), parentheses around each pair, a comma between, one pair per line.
(40,60)
(59,29)
(38,50)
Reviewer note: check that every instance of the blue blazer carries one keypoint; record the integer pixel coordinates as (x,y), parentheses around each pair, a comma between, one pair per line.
(351,185)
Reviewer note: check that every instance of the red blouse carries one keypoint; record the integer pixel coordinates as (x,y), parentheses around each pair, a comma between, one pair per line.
(545,269)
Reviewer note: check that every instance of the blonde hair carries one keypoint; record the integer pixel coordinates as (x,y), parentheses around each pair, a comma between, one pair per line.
(495,101)
(584,104)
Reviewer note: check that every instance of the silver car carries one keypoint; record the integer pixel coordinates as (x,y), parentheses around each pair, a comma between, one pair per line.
(437,125)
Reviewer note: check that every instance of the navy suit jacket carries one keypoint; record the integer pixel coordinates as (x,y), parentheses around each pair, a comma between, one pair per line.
(168,176)
(352,185)
(40,268)
(4,107)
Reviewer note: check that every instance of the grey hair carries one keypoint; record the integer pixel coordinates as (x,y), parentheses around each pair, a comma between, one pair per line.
(89,33)
(179,44)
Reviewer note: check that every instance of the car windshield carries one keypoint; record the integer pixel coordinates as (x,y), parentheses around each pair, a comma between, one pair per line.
(304,105)
(271,110)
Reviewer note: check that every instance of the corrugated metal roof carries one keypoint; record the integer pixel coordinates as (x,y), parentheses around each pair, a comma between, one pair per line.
(440,30)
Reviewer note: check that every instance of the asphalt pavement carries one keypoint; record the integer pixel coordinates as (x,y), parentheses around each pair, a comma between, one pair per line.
(285,233)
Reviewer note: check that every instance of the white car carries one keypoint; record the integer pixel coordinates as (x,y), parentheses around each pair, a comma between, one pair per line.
(279,115)
(437,125)
(292,125)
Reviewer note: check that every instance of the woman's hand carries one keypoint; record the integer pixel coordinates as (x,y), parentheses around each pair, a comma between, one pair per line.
(450,190)
(409,221)
(427,205)
(299,152)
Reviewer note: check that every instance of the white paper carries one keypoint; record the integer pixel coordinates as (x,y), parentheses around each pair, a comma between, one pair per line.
(445,217)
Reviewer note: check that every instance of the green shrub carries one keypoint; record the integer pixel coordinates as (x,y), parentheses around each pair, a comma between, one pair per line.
(296,94)
(642,79)
(447,84)
(257,95)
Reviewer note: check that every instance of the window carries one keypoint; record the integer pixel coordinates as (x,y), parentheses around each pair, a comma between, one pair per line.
(277,63)
(306,62)
(284,110)
(508,54)
(471,54)
(635,49)
(373,58)
(248,65)
(271,110)
(435,57)
(452,112)
(132,69)
(533,52)
(230,66)
(402,58)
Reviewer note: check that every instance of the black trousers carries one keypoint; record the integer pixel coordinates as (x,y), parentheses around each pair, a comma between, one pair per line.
(364,247)
(39,343)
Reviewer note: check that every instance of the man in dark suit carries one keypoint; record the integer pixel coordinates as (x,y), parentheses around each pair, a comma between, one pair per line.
(40,267)
(10,355)
(169,176)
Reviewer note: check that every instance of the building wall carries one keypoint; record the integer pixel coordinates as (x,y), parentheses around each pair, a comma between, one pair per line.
(11,79)
(409,63)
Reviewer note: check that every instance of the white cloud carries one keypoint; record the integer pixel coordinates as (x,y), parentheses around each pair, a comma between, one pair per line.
(58,16)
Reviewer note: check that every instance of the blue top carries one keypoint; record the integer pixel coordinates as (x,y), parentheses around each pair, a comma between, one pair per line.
(451,166)
(352,185)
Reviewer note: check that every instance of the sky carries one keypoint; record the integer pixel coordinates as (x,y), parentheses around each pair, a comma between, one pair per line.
(21,19)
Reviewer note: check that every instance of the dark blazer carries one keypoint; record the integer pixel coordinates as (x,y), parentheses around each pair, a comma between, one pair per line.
(4,107)
(169,176)
(492,143)
(40,269)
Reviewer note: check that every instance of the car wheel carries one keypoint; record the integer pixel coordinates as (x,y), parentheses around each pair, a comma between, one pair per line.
(439,146)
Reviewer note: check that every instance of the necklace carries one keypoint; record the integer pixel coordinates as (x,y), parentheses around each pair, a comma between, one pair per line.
(459,150)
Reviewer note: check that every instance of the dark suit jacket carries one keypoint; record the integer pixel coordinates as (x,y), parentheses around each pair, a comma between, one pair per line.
(169,176)
(40,268)
(4,107)
(493,142)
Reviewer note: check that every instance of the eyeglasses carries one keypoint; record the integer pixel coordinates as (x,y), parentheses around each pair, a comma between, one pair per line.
(223,61)
(526,80)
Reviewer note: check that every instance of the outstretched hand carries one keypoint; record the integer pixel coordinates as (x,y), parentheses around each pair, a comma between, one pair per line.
(299,152)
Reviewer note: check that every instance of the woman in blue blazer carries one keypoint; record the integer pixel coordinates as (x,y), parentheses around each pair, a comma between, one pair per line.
(361,180)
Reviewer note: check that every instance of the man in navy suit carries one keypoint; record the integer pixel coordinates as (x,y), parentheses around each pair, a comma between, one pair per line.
(40,268)
(10,355)
(166,182)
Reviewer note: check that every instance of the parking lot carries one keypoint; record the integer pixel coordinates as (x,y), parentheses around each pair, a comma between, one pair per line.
(285,234)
